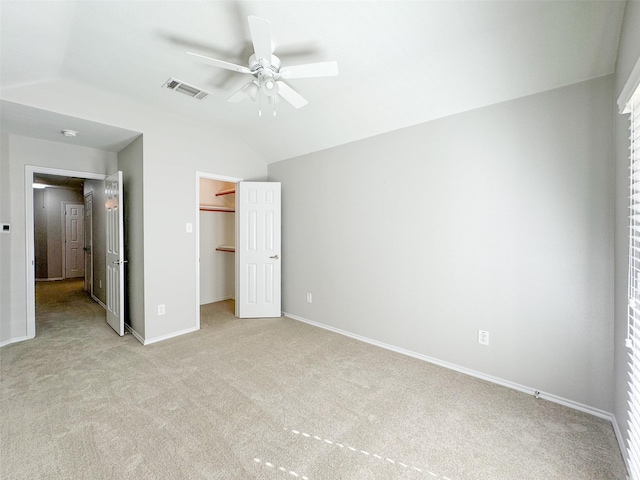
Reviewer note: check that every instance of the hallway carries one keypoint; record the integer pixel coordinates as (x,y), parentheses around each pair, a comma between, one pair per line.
(64,305)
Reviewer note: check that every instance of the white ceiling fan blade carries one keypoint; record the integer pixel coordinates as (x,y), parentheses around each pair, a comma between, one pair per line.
(250,90)
(220,63)
(290,95)
(261,38)
(321,69)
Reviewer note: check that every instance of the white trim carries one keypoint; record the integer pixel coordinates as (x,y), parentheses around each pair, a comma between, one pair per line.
(221,299)
(629,88)
(620,439)
(135,334)
(196,230)
(98,301)
(14,340)
(30,290)
(167,336)
(467,371)
(49,279)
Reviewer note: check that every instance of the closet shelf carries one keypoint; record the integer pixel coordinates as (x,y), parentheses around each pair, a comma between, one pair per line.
(226,192)
(214,208)
(226,248)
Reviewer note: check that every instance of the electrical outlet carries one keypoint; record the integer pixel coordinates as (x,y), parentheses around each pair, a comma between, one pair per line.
(309,298)
(161,309)
(483,337)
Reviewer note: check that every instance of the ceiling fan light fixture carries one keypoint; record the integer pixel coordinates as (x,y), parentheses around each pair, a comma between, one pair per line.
(252,91)
(269,87)
(264,66)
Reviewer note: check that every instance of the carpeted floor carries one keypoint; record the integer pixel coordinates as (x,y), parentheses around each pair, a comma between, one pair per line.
(267,399)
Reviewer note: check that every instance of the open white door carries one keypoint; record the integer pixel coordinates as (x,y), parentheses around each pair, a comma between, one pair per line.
(115,253)
(258,270)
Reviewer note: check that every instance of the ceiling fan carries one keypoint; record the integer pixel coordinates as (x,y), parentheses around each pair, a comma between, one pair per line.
(266,69)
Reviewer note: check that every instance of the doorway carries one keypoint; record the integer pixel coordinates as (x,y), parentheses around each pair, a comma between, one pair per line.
(46,234)
(215,239)
(73,241)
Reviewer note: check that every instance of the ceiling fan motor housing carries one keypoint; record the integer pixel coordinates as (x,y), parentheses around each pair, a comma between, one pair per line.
(256,67)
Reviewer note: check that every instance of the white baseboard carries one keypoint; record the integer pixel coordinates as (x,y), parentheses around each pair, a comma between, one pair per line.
(467,371)
(49,279)
(135,334)
(97,300)
(14,340)
(149,341)
(214,300)
(621,444)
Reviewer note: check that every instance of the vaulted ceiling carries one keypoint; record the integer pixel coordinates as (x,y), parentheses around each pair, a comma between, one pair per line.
(401,62)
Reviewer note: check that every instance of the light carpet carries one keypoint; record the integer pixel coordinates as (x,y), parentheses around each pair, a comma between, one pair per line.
(271,399)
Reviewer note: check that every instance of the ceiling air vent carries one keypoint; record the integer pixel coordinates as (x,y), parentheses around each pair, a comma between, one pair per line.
(180,86)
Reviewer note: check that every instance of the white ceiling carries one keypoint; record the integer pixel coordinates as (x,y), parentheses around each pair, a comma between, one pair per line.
(401,62)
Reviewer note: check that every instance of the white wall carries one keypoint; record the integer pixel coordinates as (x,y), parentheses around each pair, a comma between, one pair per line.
(498,219)
(5,243)
(628,55)
(174,149)
(17,153)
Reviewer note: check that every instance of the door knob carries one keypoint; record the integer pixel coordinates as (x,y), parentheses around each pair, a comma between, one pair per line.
(275,257)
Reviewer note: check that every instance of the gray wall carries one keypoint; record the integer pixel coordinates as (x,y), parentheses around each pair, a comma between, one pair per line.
(498,219)
(628,55)
(99,238)
(130,162)
(40,233)
(53,201)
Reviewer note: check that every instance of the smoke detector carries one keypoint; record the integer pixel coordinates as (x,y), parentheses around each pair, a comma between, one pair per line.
(69,133)
(185,88)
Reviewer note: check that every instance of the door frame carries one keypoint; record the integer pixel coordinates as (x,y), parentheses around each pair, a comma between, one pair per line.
(210,176)
(64,234)
(29,229)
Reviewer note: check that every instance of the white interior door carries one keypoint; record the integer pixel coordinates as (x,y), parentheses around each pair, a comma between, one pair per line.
(115,253)
(73,240)
(258,270)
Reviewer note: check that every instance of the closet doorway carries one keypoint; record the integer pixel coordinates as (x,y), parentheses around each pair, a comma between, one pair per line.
(215,239)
